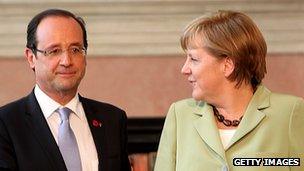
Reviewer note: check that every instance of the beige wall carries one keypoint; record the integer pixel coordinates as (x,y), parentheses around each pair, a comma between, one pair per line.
(144,86)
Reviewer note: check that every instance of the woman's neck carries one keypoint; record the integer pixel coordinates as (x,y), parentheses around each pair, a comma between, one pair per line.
(233,102)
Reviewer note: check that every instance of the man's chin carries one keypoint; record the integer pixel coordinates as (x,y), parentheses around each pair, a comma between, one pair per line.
(67,87)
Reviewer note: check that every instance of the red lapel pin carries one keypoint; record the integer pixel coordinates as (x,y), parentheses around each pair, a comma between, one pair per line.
(96,123)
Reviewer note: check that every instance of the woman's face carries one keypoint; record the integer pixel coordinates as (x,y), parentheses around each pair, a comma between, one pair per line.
(205,73)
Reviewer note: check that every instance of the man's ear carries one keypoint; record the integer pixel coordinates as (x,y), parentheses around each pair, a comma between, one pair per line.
(228,66)
(31,58)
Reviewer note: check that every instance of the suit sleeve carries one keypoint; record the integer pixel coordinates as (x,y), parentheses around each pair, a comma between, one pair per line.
(296,129)
(125,159)
(7,157)
(166,155)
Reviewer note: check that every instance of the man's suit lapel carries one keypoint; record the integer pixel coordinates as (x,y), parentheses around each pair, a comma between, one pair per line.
(253,115)
(207,129)
(42,132)
(97,123)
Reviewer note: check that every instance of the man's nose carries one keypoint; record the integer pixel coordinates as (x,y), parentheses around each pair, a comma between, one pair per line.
(66,58)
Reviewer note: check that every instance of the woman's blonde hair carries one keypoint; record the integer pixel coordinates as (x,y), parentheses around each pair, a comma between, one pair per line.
(234,35)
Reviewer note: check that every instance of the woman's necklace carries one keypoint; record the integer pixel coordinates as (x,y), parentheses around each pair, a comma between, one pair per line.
(226,122)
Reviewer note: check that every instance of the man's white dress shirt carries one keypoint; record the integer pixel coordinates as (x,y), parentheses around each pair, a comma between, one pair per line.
(78,123)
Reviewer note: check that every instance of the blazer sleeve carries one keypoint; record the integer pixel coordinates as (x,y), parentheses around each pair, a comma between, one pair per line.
(296,129)
(166,155)
(7,158)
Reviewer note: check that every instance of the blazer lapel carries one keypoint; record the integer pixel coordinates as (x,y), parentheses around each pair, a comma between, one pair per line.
(253,115)
(42,133)
(97,123)
(207,129)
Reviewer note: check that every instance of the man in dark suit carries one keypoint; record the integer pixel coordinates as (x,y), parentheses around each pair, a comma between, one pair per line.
(54,128)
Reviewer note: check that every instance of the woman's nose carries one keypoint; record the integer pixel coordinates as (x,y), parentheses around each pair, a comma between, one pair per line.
(185,69)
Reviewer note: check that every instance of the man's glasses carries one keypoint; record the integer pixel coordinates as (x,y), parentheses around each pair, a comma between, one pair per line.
(74,51)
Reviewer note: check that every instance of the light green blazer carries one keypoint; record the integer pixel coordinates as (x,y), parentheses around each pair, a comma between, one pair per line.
(272,126)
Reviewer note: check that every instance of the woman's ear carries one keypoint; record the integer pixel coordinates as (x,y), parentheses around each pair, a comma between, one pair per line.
(228,66)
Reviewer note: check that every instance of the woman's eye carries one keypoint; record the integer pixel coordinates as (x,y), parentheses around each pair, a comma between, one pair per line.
(193,59)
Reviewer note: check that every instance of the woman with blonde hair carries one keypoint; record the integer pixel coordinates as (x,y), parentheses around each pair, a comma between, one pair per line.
(231,115)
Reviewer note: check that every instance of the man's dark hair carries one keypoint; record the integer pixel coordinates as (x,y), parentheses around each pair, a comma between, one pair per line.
(33,24)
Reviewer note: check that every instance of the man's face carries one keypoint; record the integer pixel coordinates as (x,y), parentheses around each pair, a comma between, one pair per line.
(63,72)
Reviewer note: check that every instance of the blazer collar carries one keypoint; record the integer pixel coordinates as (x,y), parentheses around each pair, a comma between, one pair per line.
(253,115)
(208,130)
(36,121)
